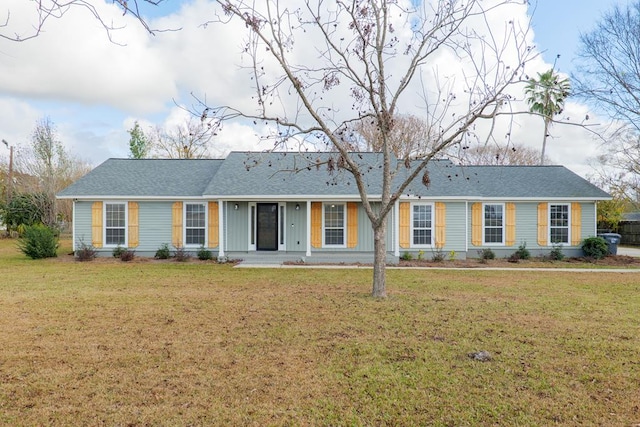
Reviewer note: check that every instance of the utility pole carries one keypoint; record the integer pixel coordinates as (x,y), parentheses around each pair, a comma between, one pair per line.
(10,174)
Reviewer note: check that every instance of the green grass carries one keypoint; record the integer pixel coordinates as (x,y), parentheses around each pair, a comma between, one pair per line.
(145,343)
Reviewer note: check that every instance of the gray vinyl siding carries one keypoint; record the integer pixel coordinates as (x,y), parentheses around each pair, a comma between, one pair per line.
(296,227)
(456,227)
(455,234)
(237,227)
(155,226)
(527,230)
(82,223)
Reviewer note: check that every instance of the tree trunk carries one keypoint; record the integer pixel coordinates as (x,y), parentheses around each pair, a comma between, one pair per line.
(544,141)
(380,261)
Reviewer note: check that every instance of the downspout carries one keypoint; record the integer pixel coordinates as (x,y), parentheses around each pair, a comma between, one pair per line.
(396,228)
(73,226)
(466,228)
(221,228)
(308,253)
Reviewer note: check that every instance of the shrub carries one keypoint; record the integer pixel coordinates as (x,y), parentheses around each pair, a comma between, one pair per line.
(420,255)
(85,253)
(38,241)
(595,247)
(118,251)
(406,256)
(204,254)
(556,253)
(486,254)
(452,255)
(127,255)
(181,255)
(522,252)
(163,252)
(438,256)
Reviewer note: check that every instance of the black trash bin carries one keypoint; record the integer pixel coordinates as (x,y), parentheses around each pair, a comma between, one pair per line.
(612,240)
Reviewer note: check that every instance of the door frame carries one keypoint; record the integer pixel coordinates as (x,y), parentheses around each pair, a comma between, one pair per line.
(252,225)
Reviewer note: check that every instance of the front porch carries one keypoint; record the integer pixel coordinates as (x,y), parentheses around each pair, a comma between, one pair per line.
(280,257)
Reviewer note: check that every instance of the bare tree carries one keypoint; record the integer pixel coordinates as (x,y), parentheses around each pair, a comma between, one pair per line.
(407,138)
(494,154)
(46,167)
(189,140)
(319,68)
(46,10)
(609,76)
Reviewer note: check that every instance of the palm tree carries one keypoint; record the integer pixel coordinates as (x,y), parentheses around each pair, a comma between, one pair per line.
(545,96)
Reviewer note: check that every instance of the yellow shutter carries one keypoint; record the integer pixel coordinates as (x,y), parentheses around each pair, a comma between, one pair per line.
(96,225)
(511,224)
(405,225)
(476,224)
(352,225)
(576,224)
(176,235)
(316,224)
(214,231)
(134,227)
(441,224)
(543,224)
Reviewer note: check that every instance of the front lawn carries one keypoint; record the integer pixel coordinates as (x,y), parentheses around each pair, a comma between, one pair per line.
(113,343)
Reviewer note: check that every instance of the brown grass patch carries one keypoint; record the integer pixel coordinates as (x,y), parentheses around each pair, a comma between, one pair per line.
(146,343)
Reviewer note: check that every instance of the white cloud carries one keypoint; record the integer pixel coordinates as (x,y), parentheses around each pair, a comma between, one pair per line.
(74,66)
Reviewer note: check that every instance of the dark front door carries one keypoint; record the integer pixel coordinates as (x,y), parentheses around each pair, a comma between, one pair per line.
(267,230)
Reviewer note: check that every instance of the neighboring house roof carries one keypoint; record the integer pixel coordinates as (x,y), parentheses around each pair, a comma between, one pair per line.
(631,216)
(145,178)
(245,174)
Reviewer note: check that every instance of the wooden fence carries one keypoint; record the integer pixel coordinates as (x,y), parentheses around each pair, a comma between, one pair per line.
(630,232)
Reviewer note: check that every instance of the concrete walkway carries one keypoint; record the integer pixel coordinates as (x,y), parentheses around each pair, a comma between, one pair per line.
(629,251)
(622,250)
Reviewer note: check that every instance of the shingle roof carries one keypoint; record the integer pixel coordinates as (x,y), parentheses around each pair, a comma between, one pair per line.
(295,174)
(258,174)
(145,178)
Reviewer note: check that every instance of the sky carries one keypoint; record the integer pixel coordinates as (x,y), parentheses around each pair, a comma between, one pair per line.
(94,89)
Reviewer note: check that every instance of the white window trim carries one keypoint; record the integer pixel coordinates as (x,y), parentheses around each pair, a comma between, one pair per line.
(282,226)
(184,224)
(568,205)
(126,223)
(433,224)
(252,226)
(504,223)
(344,225)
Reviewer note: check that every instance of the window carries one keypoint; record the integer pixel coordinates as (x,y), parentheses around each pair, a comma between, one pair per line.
(493,223)
(421,225)
(195,223)
(559,223)
(115,224)
(334,225)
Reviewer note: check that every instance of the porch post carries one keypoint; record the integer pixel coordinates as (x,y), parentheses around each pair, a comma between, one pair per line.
(396,228)
(308,228)
(221,228)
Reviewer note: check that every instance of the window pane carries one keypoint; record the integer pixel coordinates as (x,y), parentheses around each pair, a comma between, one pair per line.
(422,224)
(334,224)
(421,237)
(559,223)
(195,215)
(493,223)
(493,235)
(334,215)
(421,216)
(114,215)
(114,236)
(334,236)
(195,236)
(559,215)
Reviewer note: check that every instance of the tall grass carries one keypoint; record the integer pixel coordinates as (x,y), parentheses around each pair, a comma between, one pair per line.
(148,343)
